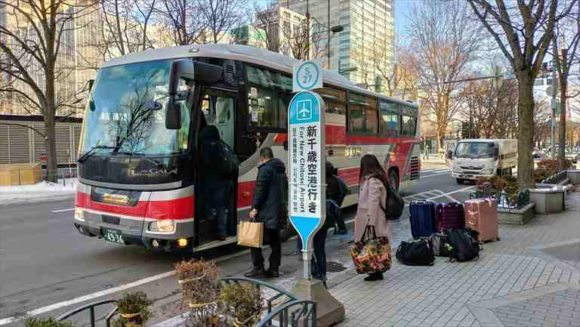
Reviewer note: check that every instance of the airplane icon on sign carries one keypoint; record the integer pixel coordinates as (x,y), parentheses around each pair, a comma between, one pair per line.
(304,110)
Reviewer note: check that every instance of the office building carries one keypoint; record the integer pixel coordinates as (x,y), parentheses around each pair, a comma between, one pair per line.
(364,50)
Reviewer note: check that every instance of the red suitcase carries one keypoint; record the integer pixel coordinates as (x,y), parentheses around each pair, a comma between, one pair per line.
(450,216)
(481,215)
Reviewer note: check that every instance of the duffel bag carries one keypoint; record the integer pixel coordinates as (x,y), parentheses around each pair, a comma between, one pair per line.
(416,253)
(371,254)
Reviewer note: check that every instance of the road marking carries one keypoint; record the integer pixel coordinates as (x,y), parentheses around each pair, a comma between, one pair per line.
(63,210)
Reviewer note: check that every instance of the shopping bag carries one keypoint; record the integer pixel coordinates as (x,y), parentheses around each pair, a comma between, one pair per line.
(250,234)
(371,254)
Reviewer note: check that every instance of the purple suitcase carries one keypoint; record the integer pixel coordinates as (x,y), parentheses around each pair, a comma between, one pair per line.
(450,216)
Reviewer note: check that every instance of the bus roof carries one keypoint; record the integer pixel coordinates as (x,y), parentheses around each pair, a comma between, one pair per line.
(242,53)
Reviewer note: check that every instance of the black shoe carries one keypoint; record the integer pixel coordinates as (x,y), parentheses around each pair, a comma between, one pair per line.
(257,272)
(272,273)
(373,277)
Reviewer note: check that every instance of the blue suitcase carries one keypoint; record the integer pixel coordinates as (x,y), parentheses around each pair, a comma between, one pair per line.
(423,218)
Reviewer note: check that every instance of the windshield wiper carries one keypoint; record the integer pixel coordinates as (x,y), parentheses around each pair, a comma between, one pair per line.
(92,150)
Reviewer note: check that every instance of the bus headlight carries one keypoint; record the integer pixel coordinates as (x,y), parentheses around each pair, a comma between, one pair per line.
(79,214)
(162,226)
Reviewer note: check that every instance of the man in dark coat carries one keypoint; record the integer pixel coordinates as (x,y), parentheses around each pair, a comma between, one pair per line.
(268,208)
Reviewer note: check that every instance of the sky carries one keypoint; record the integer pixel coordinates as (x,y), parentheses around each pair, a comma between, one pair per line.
(402,10)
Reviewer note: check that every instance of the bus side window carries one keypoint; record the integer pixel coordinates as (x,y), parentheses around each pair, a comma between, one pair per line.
(409,121)
(334,99)
(363,116)
(268,97)
(389,112)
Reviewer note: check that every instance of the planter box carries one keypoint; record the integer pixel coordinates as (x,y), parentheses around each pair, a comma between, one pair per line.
(574,176)
(516,216)
(548,200)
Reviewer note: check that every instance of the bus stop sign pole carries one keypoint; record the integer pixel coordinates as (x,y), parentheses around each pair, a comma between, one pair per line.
(307,179)
(307,194)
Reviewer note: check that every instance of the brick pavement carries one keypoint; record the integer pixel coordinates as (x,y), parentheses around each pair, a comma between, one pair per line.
(523,280)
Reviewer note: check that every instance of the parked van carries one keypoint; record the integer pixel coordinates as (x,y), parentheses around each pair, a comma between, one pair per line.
(476,158)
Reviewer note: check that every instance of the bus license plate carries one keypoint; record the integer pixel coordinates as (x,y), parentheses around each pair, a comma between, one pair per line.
(113,236)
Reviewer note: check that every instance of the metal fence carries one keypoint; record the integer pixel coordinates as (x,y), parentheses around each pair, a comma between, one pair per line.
(22,140)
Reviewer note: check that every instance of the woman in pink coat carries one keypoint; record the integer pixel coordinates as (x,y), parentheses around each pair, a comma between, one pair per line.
(372,196)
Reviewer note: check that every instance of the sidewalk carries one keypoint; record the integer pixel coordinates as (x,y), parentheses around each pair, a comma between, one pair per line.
(41,192)
(529,278)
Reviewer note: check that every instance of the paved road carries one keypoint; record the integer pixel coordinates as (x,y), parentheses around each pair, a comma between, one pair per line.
(45,261)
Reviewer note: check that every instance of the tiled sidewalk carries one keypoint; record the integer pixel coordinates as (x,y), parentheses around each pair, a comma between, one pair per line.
(529,278)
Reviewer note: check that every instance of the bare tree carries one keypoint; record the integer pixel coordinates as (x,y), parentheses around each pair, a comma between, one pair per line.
(182,21)
(298,41)
(220,16)
(523,33)
(565,45)
(542,121)
(126,26)
(266,20)
(400,78)
(491,106)
(444,41)
(32,46)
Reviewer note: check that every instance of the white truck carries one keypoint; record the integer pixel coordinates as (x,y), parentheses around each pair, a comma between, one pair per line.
(476,158)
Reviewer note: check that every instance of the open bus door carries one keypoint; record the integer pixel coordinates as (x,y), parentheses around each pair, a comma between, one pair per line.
(217,109)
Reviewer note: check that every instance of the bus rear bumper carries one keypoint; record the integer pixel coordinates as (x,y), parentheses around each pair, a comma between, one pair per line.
(135,230)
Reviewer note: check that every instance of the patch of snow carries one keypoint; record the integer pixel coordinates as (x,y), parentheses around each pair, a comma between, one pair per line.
(41,190)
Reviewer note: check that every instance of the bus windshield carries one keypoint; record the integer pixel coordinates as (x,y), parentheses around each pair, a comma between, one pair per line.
(475,150)
(126,112)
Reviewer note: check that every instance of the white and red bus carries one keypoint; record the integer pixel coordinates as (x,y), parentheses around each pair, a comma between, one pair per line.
(138,151)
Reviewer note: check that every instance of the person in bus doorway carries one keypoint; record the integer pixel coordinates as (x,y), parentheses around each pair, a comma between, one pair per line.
(372,196)
(268,208)
(216,175)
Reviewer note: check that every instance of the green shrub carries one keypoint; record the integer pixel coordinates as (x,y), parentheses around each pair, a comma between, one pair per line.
(46,322)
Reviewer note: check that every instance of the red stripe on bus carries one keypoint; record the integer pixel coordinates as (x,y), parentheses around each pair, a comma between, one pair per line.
(182,208)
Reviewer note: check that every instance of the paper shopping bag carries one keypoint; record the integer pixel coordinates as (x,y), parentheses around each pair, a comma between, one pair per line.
(250,234)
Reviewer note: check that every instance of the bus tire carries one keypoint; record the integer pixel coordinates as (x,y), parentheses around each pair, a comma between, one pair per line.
(459,181)
(394,179)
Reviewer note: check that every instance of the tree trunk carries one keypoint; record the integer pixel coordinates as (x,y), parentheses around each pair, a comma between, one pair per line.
(525,129)
(50,125)
(52,163)
(439,143)
(562,131)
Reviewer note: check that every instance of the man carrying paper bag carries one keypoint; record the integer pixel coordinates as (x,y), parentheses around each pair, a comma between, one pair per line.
(268,212)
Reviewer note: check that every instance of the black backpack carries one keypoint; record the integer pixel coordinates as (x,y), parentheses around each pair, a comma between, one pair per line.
(416,253)
(395,204)
(464,244)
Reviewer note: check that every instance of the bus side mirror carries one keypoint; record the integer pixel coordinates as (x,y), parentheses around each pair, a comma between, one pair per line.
(495,153)
(182,69)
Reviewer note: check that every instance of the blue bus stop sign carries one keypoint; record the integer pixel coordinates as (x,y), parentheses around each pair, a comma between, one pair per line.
(306,203)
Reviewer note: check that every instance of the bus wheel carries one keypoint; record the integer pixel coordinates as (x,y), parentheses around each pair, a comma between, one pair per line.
(394,179)
(460,181)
